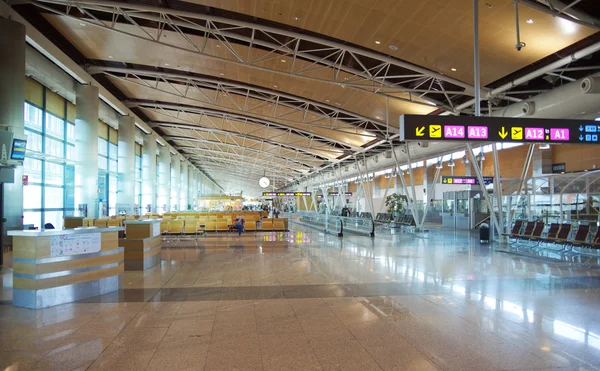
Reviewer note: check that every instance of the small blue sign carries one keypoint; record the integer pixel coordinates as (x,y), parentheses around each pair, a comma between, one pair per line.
(594,137)
(588,137)
(590,128)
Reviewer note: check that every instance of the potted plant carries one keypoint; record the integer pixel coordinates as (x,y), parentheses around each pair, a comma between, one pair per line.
(395,204)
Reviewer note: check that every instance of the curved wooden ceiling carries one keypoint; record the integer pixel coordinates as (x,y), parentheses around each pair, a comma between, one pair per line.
(226,124)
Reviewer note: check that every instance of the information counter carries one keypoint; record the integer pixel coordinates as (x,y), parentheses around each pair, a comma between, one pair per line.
(142,243)
(54,267)
(72,222)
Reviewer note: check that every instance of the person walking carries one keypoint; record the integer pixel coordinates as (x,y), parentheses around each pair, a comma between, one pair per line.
(276,212)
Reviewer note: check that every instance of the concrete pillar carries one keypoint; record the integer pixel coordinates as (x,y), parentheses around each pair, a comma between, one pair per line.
(176,171)
(149,174)
(126,164)
(183,188)
(542,161)
(192,194)
(164,179)
(86,149)
(12,100)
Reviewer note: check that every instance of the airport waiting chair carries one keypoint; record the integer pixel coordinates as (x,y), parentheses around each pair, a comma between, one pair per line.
(210,226)
(250,226)
(580,238)
(563,233)
(536,234)
(101,223)
(516,229)
(552,232)
(176,227)
(279,226)
(113,223)
(222,226)
(164,227)
(529,227)
(191,227)
(266,225)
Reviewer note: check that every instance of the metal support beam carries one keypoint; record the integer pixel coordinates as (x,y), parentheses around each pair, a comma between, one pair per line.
(484,190)
(435,179)
(524,172)
(414,192)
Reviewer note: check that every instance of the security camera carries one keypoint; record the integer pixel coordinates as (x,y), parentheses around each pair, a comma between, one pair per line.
(520,46)
(423,144)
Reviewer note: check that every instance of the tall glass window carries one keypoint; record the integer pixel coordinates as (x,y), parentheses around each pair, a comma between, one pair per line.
(138,178)
(108,139)
(49,127)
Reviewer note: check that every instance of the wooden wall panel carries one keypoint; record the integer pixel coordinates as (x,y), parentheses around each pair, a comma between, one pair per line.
(577,157)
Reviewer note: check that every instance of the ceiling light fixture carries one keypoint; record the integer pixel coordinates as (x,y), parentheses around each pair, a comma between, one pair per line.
(545,146)
(283,60)
(453,69)
(218,45)
(297,18)
(530,21)
(274,86)
(82,24)
(377,42)
(327,100)
(393,47)
(110,57)
(166,64)
(222,74)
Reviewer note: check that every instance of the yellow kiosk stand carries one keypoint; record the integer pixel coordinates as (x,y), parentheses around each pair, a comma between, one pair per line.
(142,244)
(53,267)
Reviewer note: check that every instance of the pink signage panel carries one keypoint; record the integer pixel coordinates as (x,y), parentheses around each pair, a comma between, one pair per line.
(534,133)
(477,132)
(559,134)
(454,131)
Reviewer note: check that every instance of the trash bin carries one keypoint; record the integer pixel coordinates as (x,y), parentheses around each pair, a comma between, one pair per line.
(484,233)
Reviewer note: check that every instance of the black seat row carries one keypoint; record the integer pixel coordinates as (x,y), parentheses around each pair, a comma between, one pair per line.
(558,234)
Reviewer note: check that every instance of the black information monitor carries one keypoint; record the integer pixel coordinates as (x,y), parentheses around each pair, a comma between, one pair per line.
(498,129)
(18,149)
(469,180)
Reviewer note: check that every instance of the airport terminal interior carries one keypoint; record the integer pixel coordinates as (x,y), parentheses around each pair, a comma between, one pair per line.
(299,185)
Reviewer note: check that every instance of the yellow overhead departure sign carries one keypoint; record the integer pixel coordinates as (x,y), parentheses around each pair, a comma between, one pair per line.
(435,131)
(516,133)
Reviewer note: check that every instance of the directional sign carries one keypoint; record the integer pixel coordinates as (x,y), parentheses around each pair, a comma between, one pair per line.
(469,180)
(284,194)
(347,194)
(498,129)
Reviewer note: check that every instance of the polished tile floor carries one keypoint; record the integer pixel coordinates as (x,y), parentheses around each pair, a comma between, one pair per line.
(309,301)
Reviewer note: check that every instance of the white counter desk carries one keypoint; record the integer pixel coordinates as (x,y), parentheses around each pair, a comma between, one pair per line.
(52,267)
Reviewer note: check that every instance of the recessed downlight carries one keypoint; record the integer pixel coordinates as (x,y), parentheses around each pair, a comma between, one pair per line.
(283,60)
(377,42)
(82,24)
(296,18)
(222,74)
(274,86)
(166,64)
(453,69)
(530,21)
(393,47)
(110,57)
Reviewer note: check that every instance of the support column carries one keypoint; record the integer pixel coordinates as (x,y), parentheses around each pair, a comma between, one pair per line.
(126,177)
(149,174)
(86,149)
(176,171)
(164,179)
(12,100)
(183,187)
